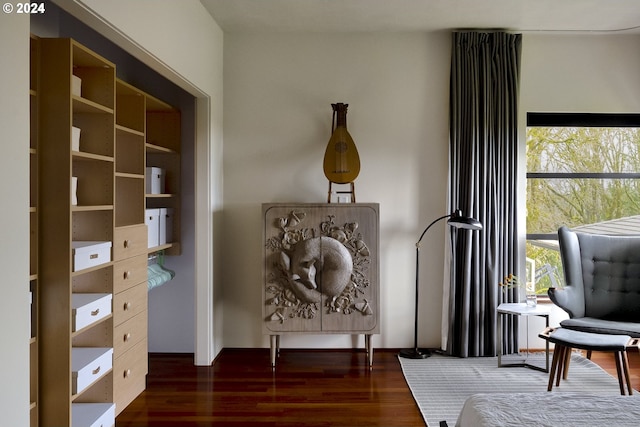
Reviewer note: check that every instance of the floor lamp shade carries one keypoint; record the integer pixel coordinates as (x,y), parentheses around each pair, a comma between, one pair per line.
(456,220)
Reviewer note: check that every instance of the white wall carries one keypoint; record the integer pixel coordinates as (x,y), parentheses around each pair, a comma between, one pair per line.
(14,227)
(579,73)
(582,73)
(278,94)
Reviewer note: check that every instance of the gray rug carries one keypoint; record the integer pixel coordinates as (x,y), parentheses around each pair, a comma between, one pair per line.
(440,384)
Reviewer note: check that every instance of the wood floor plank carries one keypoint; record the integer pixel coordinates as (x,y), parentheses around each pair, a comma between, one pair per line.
(607,362)
(308,388)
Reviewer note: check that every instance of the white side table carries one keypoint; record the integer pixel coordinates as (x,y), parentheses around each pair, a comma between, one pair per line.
(522,309)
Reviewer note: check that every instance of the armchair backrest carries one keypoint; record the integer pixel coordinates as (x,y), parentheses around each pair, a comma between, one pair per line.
(602,275)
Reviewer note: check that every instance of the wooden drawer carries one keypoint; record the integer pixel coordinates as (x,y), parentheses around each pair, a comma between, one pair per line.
(129,303)
(129,333)
(129,375)
(129,272)
(129,241)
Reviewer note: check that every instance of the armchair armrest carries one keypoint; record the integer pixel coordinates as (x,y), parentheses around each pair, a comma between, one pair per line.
(568,300)
(571,297)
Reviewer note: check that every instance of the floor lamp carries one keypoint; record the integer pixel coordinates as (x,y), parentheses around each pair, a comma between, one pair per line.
(455,220)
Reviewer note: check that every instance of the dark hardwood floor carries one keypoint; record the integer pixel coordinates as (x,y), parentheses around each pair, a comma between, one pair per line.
(608,363)
(308,388)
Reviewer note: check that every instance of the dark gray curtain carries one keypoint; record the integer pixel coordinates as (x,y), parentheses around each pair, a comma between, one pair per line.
(483,160)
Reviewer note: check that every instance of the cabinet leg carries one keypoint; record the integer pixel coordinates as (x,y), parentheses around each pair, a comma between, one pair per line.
(369,349)
(275,349)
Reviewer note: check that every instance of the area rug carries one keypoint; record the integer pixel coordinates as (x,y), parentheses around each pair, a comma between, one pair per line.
(441,384)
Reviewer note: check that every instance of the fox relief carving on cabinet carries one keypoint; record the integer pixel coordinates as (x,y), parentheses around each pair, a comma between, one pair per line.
(314,268)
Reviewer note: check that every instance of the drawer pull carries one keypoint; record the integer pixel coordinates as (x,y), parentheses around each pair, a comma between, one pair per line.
(93,256)
(126,275)
(126,373)
(126,243)
(95,312)
(95,371)
(127,337)
(127,306)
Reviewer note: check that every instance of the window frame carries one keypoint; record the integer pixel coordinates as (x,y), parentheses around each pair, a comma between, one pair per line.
(551,119)
(555,119)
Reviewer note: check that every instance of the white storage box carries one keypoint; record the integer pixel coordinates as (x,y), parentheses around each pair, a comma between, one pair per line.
(166,226)
(75,138)
(90,253)
(76,85)
(154,180)
(88,364)
(152,220)
(93,414)
(89,308)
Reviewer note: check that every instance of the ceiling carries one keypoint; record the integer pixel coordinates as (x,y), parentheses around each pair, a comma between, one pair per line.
(616,16)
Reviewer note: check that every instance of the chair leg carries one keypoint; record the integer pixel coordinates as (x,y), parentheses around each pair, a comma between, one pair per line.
(622,366)
(625,370)
(561,364)
(562,358)
(554,365)
(567,360)
(619,369)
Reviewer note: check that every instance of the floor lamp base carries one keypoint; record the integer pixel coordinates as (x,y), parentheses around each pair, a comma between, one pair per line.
(415,353)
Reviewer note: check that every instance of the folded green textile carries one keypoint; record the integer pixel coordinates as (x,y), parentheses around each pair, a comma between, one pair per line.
(158,276)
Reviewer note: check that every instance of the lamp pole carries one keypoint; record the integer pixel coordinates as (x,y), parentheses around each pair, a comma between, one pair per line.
(455,220)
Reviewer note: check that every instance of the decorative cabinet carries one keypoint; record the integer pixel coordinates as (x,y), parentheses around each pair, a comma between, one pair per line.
(321,270)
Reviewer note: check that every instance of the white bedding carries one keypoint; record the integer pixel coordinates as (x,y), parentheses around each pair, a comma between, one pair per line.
(547,409)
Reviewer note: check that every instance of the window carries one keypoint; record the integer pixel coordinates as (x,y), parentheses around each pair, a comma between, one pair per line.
(583,171)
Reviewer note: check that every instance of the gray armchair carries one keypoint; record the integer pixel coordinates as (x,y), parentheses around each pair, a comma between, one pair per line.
(602,283)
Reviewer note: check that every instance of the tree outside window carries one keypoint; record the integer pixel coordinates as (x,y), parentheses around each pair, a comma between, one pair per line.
(582,170)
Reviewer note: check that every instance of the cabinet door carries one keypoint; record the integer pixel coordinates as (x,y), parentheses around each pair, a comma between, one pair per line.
(320,268)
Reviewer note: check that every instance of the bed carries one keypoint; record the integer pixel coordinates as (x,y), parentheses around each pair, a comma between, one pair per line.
(549,409)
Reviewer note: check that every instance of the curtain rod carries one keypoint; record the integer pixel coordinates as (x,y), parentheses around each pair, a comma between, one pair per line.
(510,30)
